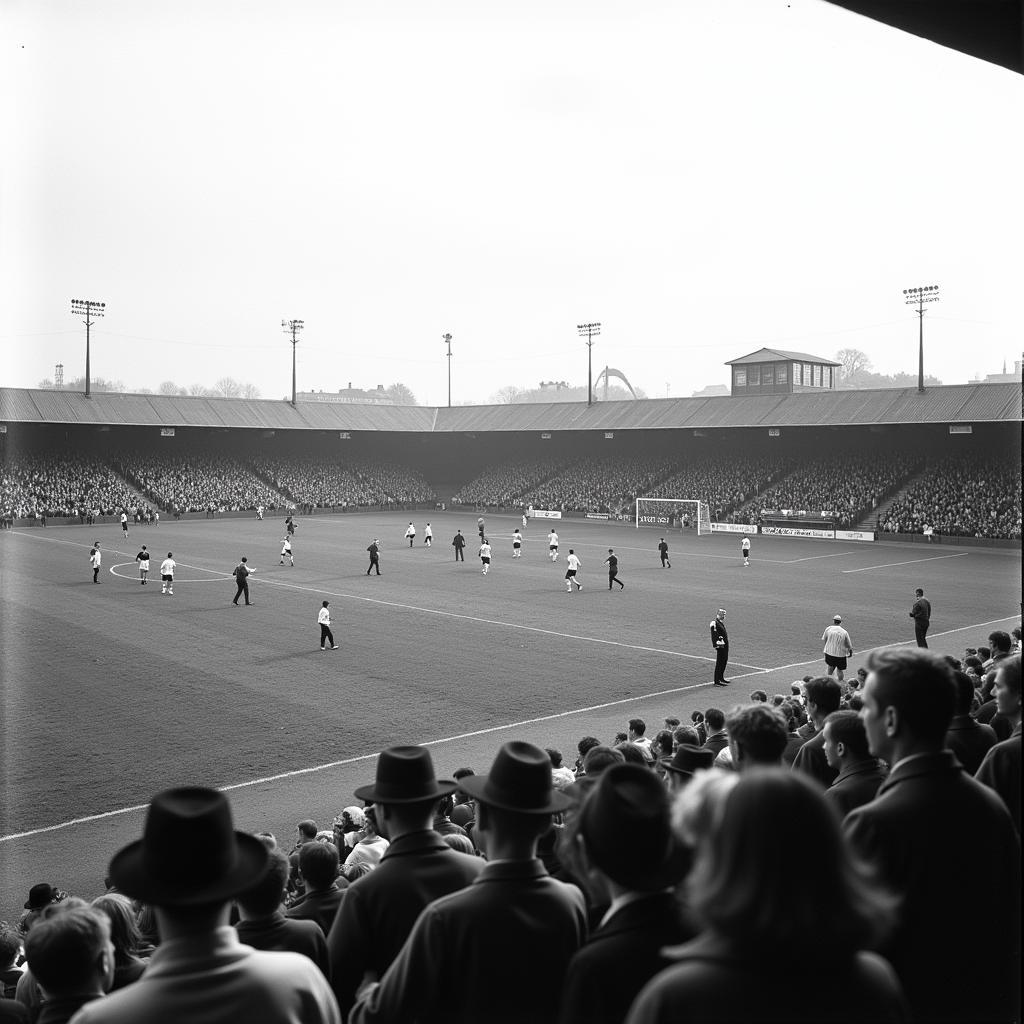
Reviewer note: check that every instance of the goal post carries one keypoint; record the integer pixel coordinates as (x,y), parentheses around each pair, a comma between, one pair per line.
(683,513)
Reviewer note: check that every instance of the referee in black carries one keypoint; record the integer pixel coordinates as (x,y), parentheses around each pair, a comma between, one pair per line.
(241,574)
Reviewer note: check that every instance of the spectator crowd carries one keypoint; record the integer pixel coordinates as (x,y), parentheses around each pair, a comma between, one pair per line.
(797,857)
(503,486)
(601,484)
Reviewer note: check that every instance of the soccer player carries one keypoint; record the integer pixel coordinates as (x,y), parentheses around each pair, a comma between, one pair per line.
(517,543)
(480,528)
(95,560)
(526,520)
(324,619)
(259,511)
(410,534)
(143,559)
(485,556)
(572,567)
(745,548)
(612,562)
(428,535)
(553,545)
(374,550)
(124,524)
(290,526)
(242,572)
(286,551)
(167,567)
(838,647)
(663,551)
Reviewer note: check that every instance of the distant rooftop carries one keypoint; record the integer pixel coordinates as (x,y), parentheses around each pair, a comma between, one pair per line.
(768,355)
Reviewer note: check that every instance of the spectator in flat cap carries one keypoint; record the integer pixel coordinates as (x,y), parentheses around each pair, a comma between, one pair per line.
(846,748)
(635,878)
(684,764)
(263,924)
(71,958)
(380,909)
(757,924)
(497,950)
(190,864)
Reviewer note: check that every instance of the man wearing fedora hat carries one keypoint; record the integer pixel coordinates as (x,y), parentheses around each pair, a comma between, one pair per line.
(684,763)
(636,878)
(380,909)
(508,938)
(189,865)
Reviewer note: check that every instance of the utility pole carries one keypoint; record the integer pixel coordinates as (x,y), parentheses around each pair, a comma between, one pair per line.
(89,309)
(447,339)
(293,327)
(589,331)
(918,297)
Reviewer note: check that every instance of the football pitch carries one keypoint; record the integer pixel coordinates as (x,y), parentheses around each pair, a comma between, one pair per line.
(113,692)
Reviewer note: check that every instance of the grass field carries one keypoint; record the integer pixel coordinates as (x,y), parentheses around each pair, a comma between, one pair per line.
(111,694)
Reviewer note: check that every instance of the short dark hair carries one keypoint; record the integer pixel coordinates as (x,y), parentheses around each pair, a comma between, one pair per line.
(631,753)
(318,863)
(1009,672)
(1000,640)
(307,828)
(64,944)
(554,756)
(760,696)
(714,718)
(596,759)
(671,721)
(10,945)
(759,730)
(825,693)
(964,692)
(685,734)
(662,744)
(919,685)
(586,744)
(266,895)
(847,728)
(638,725)
(461,773)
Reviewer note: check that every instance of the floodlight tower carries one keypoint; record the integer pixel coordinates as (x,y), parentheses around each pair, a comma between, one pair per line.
(589,331)
(447,339)
(918,297)
(88,309)
(293,327)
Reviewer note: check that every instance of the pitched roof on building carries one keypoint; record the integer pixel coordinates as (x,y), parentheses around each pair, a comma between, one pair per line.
(776,355)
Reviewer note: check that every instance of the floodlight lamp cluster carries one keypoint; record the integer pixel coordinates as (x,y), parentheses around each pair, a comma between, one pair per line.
(928,293)
(293,325)
(88,307)
(594,328)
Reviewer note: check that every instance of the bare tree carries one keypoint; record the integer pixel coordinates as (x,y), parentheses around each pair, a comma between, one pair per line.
(507,395)
(228,387)
(401,395)
(197,390)
(168,387)
(250,391)
(855,364)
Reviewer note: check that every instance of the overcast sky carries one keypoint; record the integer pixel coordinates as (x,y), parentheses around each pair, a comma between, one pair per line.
(702,178)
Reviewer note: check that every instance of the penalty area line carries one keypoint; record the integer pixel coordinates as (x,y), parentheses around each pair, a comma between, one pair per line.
(912,561)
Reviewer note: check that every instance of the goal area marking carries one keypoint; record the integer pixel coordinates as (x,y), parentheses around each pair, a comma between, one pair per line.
(665,512)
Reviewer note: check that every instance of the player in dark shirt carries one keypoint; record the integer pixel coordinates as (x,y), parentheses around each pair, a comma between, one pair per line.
(374,550)
(612,562)
(663,551)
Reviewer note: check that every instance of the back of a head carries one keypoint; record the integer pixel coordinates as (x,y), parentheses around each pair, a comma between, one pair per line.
(846,727)
(631,753)
(555,756)
(10,945)
(638,725)
(759,731)
(124,928)
(964,692)
(598,758)
(685,734)
(318,863)
(307,828)
(759,697)
(460,843)
(587,743)
(1000,641)
(919,685)
(825,693)
(714,719)
(64,946)
(266,896)
(741,884)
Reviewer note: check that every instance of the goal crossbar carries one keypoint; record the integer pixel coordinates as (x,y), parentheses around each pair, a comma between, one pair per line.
(664,512)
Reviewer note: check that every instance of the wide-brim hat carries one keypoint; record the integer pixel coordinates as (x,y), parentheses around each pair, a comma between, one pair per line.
(519,780)
(688,759)
(189,853)
(405,775)
(42,895)
(629,800)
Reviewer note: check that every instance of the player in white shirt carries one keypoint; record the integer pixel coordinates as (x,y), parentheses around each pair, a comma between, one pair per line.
(553,545)
(428,535)
(517,543)
(324,619)
(526,520)
(259,511)
(485,556)
(167,567)
(95,561)
(572,567)
(745,548)
(286,551)
(410,534)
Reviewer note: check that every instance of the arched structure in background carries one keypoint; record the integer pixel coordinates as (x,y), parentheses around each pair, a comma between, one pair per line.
(610,371)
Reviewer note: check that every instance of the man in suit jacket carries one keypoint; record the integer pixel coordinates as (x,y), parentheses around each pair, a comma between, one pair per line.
(846,749)
(380,909)
(498,950)
(1000,770)
(928,829)
(968,739)
(631,860)
(318,869)
(823,697)
(717,740)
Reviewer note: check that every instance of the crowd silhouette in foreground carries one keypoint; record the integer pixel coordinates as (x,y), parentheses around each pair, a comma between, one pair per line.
(816,855)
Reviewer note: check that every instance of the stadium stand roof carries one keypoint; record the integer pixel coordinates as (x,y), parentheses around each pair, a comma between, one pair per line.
(954,403)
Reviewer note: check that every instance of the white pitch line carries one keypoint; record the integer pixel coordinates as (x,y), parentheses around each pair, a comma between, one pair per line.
(811,558)
(134,809)
(913,561)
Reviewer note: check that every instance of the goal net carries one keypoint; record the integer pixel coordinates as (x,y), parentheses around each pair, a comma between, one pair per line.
(681,513)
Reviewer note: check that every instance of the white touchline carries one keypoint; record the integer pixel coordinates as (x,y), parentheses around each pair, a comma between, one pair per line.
(913,561)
